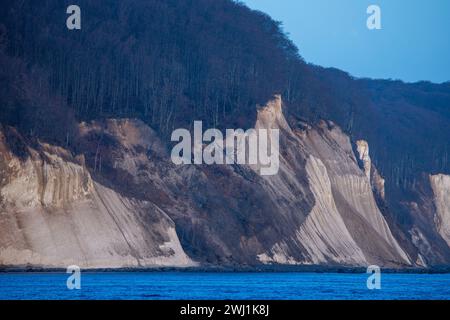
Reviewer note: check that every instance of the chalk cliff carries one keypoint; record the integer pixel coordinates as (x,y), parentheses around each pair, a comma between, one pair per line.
(53,215)
(441,189)
(121,202)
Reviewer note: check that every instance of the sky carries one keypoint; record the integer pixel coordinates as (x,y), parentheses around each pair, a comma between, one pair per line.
(413,43)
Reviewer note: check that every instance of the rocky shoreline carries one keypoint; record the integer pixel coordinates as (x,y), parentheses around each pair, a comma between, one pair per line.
(238,269)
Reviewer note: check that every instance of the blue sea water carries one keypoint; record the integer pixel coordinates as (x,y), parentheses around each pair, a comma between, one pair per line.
(195,285)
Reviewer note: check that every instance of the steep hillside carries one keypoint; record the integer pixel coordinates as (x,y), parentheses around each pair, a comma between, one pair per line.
(364,164)
(54,215)
(319,209)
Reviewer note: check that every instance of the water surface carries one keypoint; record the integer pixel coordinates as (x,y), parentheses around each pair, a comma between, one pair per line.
(195,285)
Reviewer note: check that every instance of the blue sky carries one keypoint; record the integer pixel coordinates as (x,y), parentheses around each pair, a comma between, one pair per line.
(413,44)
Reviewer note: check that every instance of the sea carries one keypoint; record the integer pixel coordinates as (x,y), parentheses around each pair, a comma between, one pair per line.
(222,286)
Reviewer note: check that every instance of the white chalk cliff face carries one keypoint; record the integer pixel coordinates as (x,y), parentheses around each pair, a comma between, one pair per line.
(377,182)
(121,202)
(345,225)
(441,188)
(54,215)
(363,151)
